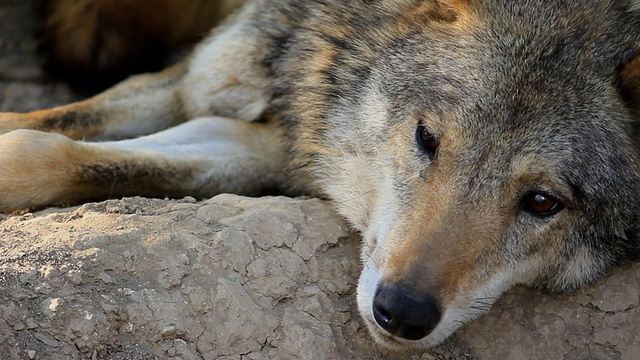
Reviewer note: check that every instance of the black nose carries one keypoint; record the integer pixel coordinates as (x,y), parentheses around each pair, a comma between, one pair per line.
(405,313)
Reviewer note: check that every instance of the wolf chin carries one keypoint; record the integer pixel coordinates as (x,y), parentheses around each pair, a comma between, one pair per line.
(475,145)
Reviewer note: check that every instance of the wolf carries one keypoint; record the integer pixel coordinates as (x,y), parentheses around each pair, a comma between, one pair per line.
(475,144)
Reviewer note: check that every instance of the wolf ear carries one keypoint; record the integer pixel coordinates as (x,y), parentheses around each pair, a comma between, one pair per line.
(629,84)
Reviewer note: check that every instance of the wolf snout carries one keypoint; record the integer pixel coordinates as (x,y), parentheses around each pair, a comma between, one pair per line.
(405,313)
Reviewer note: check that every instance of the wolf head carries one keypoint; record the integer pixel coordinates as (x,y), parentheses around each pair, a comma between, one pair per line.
(478,145)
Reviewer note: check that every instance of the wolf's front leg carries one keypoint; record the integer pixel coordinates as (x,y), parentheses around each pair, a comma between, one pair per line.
(199,158)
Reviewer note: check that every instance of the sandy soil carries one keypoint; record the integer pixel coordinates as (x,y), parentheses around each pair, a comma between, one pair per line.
(234,277)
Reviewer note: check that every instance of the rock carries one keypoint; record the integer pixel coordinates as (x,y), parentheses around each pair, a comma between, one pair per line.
(202,282)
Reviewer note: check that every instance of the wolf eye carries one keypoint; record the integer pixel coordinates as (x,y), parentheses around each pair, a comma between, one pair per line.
(426,141)
(542,205)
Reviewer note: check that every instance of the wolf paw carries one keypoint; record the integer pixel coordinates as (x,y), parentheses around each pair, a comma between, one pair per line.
(34,168)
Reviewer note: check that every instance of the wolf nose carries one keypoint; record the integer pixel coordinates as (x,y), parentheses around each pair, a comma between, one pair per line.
(403,313)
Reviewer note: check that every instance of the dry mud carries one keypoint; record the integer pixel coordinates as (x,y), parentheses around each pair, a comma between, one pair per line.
(234,277)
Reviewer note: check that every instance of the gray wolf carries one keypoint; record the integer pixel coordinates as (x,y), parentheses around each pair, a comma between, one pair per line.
(475,145)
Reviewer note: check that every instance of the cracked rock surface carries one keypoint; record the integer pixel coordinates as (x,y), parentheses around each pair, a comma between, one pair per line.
(230,277)
(234,277)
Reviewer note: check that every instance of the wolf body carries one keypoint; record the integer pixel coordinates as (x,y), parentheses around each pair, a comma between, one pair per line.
(476,145)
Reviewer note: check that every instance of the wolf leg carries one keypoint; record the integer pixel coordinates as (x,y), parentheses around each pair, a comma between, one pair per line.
(201,158)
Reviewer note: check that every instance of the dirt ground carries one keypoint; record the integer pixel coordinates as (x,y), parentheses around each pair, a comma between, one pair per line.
(234,277)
